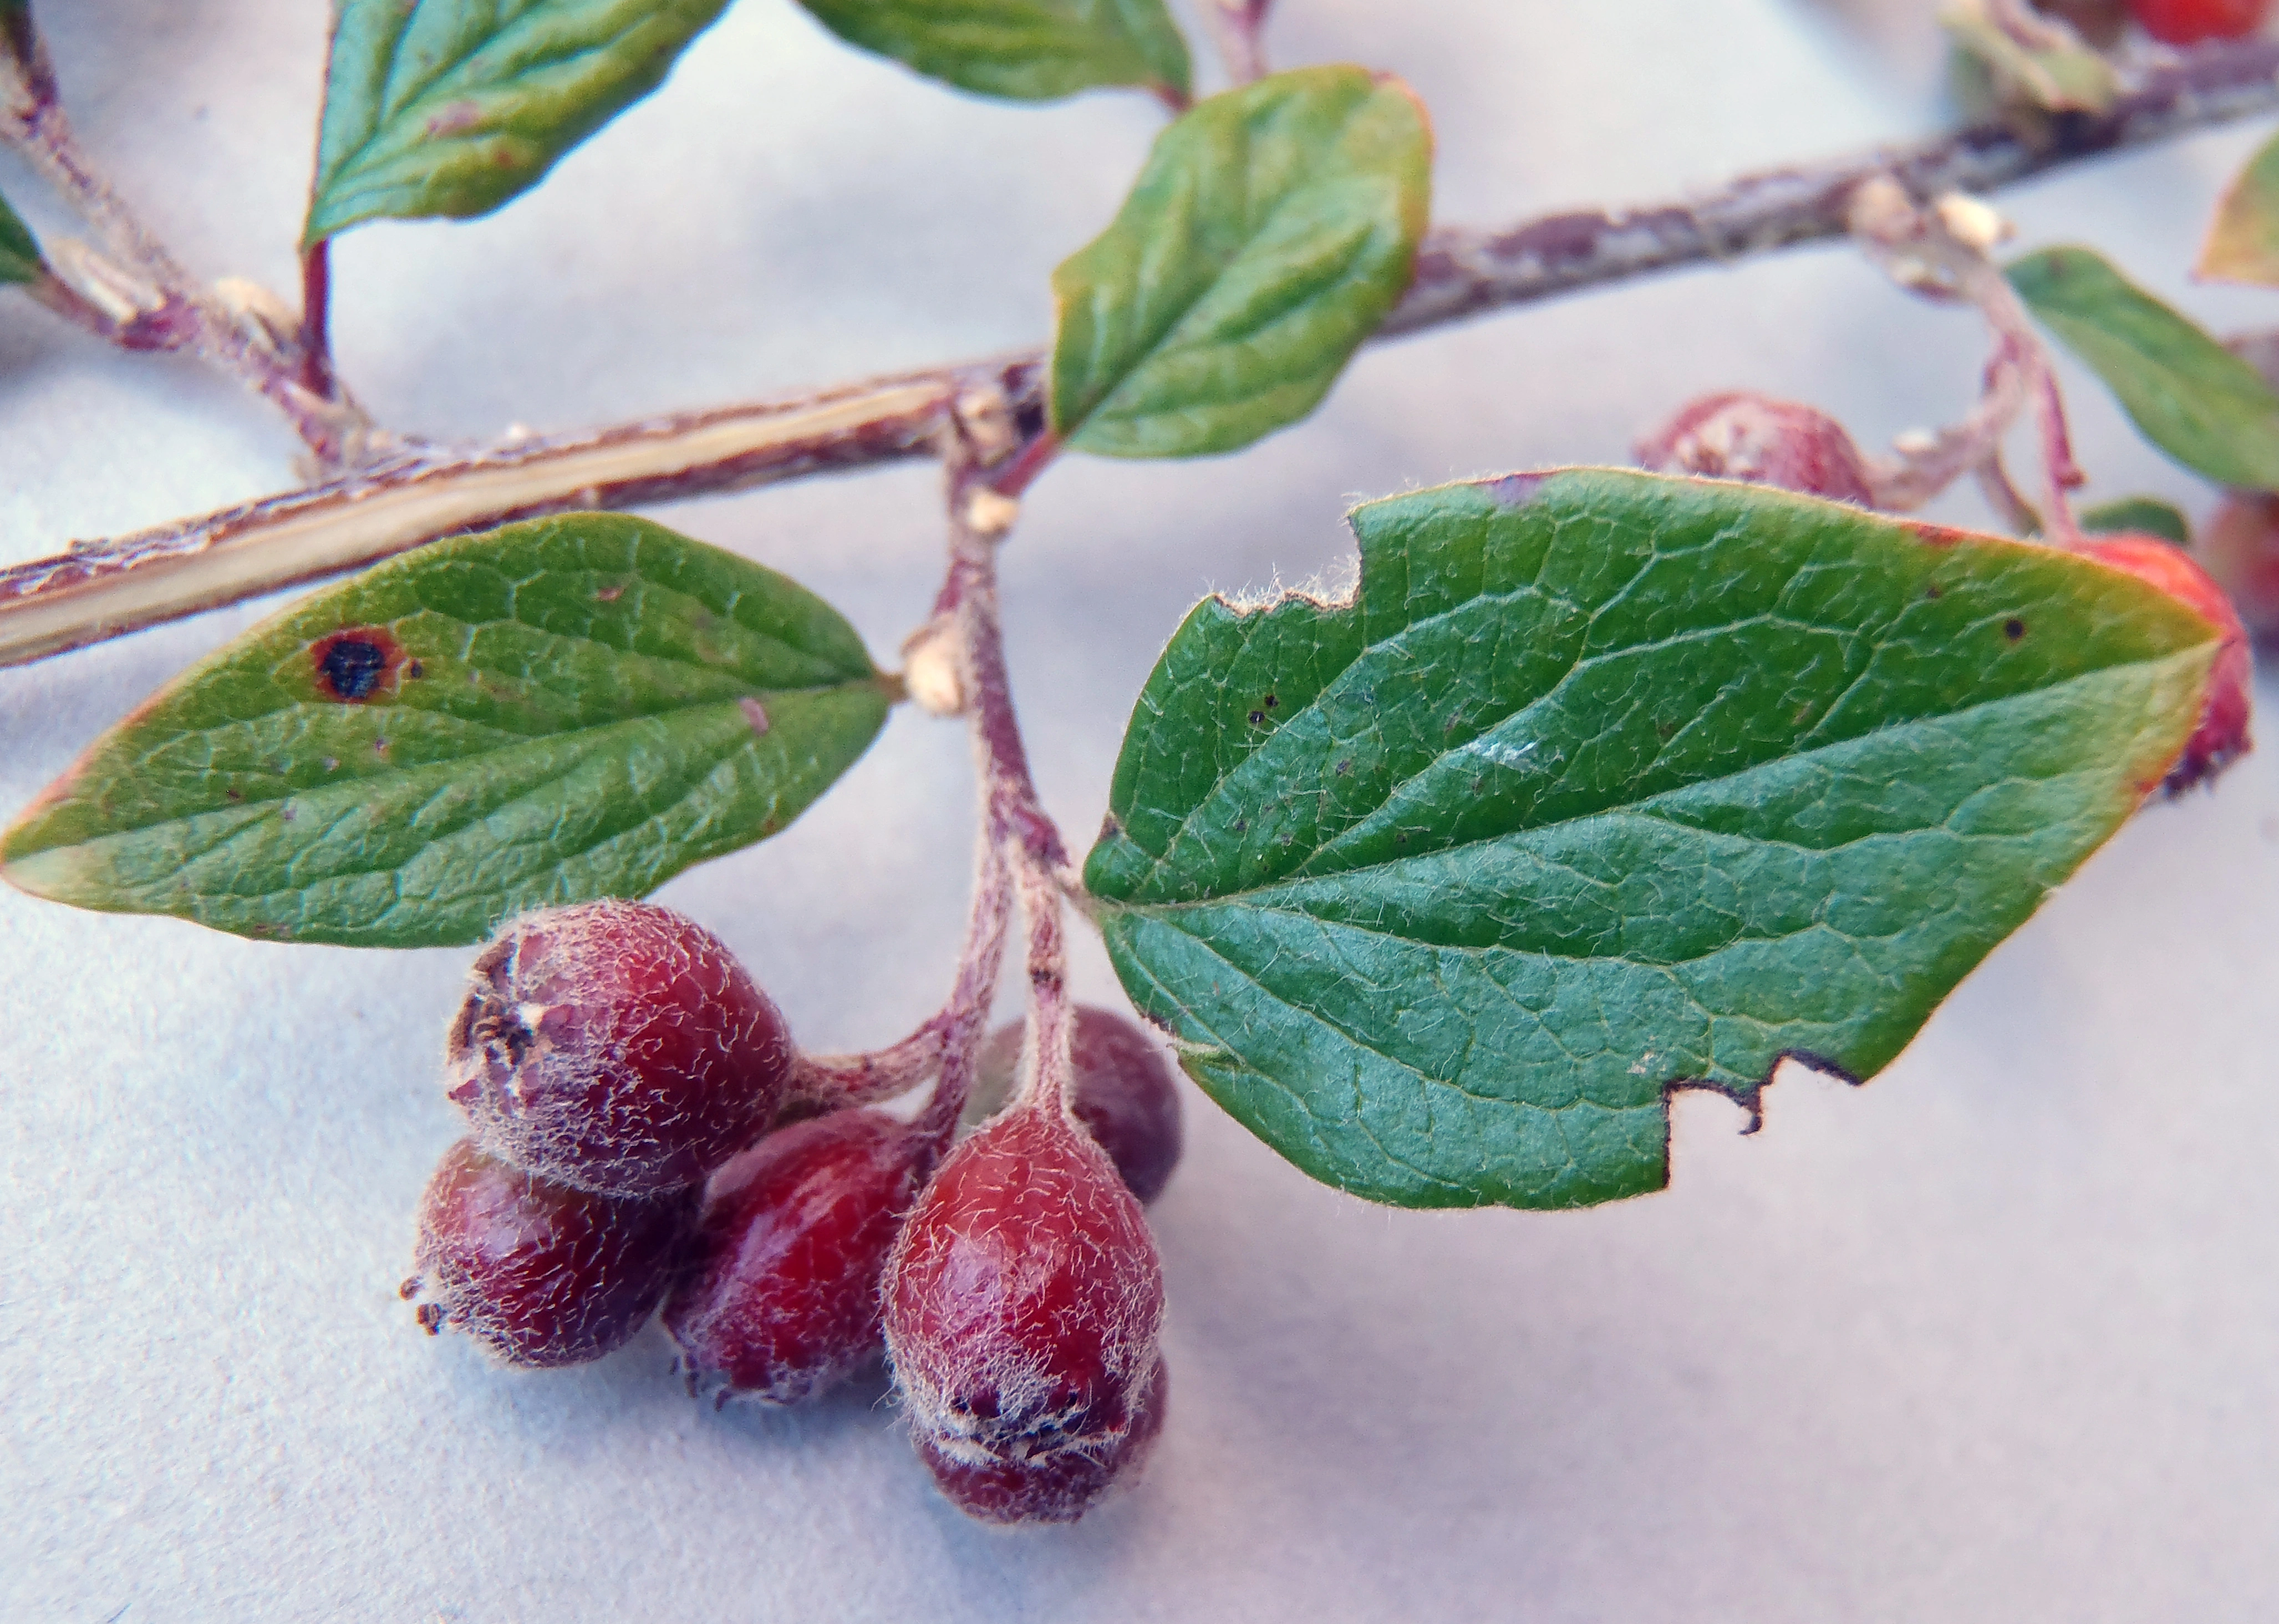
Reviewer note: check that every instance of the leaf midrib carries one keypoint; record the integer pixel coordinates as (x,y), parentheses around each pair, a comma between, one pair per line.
(1635,807)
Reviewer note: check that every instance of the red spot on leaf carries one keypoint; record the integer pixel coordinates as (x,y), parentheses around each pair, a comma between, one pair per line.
(354,663)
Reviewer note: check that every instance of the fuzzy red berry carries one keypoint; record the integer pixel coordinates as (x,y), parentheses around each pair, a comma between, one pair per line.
(2187,22)
(784,1301)
(1754,437)
(1059,1488)
(1120,1089)
(2221,737)
(617,1046)
(541,1274)
(1022,1306)
(2240,546)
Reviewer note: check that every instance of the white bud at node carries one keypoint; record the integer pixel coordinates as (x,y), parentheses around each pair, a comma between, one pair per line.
(1970,222)
(932,673)
(988,513)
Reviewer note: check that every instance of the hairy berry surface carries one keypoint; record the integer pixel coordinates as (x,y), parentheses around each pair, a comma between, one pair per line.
(2221,737)
(541,1274)
(783,1303)
(1120,1089)
(617,1046)
(1765,441)
(1023,1303)
(2187,22)
(1058,1488)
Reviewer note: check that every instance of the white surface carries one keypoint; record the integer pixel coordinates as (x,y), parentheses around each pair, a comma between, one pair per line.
(1996,1338)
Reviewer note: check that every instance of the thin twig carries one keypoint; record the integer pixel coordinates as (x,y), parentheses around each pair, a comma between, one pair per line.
(1235,25)
(102,589)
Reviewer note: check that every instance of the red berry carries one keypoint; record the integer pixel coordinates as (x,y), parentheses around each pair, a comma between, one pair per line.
(794,1240)
(2221,737)
(1121,1092)
(1754,437)
(615,1046)
(2187,22)
(540,1274)
(2240,546)
(1021,1305)
(1058,1488)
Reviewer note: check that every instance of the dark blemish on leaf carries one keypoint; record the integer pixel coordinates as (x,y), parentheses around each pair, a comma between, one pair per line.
(332,763)
(1400,840)
(379,747)
(231,794)
(1258,716)
(1242,825)
(415,670)
(1344,768)
(755,713)
(1665,731)
(1512,490)
(609,594)
(1932,592)
(2014,628)
(355,663)
(1110,829)
(1272,701)
(286,811)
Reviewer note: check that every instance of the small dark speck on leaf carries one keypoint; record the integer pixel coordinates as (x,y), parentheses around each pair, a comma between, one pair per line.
(610,595)
(1400,840)
(1932,591)
(379,747)
(286,811)
(232,794)
(1272,701)
(1665,731)
(1258,716)
(415,670)
(1242,825)
(1344,768)
(2014,628)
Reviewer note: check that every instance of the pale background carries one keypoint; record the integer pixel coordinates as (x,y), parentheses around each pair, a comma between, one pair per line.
(1996,1338)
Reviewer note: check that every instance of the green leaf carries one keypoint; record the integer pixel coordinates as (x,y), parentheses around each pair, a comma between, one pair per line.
(2144,515)
(2243,241)
(1027,50)
(452,107)
(2050,68)
(21,260)
(558,710)
(1270,231)
(1606,783)
(2188,395)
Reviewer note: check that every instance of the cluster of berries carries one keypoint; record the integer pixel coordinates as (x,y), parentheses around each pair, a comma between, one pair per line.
(624,1078)
(1752,437)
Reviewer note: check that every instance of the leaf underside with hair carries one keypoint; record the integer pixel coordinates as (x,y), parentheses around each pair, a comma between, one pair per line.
(1025,50)
(1270,233)
(453,107)
(2185,392)
(1606,783)
(558,710)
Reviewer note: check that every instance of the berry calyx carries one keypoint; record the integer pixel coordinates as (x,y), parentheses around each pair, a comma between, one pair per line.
(2187,22)
(1060,1488)
(783,1303)
(615,1046)
(541,1274)
(2221,737)
(1022,1306)
(1120,1089)
(1740,435)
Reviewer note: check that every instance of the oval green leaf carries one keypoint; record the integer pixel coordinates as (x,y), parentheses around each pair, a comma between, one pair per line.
(2186,393)
(2144,515)
(2243,241)
(21,260)
(1609,783)
(452,107)
(558,710)
(1025,50)
(1271,231)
